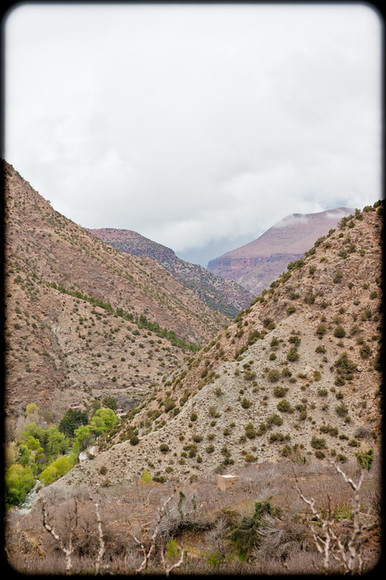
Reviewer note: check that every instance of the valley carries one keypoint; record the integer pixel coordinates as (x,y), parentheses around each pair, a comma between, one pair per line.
(285,397)
(216,292)
(83,319)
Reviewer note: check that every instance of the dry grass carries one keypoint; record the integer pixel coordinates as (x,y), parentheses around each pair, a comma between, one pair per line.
(196,517)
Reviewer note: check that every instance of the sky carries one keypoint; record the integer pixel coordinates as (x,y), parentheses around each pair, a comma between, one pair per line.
(200,125)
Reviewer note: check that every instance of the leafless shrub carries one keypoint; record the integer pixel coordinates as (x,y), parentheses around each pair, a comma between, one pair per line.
(69,541)
(152,539)
(300,562)
(328,540)
(131,510)
(363,432)
(215,536)
(54,495)
(282,538)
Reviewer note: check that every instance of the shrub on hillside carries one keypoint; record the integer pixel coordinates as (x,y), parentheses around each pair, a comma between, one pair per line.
(245,403)
(318,442)
(293,354)
(274,419)
(345,367)
(279,391)
(284,406)
(339,331)
(273,375)
(250,431)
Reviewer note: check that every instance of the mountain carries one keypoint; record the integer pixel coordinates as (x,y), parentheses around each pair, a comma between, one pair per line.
(284,402)
(257,264)
(219,294)
(296,375)
(84,320)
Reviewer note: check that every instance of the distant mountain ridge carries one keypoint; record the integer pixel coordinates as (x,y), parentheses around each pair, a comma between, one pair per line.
(225,296)
(258,263)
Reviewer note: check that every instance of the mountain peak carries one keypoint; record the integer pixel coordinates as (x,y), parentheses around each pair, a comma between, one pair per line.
(256,264)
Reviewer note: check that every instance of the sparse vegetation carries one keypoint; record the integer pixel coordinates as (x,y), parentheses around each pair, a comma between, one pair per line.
(284,406)
(293,354)
(280,391)
(345,367)
(241,405)
(273,375)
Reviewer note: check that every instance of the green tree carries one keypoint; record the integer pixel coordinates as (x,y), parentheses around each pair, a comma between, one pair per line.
(34,430)
(19,481)
(51,440)
(32,411)
(56,469)
(245,535)
(365,458)
(83,438)
(55,442)
(110,402)
(71,420)
(102,421)
(31,453)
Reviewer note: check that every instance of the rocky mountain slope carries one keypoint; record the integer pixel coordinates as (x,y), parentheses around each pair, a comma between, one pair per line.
(83,319)
(296,375)
(257,264)
(223,295)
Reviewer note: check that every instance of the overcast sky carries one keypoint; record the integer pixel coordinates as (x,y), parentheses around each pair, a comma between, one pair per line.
(198,126)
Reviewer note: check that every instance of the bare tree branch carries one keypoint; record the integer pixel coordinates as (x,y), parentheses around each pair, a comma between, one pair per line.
(101,551)
(170,567)
(67,551)
(147,543)
(329,543)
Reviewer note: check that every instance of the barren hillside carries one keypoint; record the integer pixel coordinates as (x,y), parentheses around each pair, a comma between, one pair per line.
(292,385)
(223,295)
(83,319)
(296,375)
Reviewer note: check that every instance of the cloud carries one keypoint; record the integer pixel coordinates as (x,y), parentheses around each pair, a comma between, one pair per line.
(193,124)
(291,220)
(336,215)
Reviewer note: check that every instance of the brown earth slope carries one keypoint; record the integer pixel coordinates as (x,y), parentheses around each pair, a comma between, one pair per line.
(257,264)
(296,375)
(83,319)
(223,295)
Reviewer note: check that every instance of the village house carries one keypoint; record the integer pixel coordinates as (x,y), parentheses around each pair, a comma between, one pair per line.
(76,406)
(224,482)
